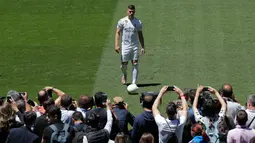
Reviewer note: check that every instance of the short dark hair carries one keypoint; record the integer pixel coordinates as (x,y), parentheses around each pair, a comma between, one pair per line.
(100,98)
(190,94)
(77,115)
(85,102)
(48,103)
(29,118)
(131,7)
(171,110)
(66,101)
(148,100)
(241,117)
(54,111)
(21,104)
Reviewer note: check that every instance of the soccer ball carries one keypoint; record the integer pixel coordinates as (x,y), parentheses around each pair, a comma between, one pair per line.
(132,88)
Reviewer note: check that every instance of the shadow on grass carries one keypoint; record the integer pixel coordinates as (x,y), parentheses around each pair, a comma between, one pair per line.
(145,84)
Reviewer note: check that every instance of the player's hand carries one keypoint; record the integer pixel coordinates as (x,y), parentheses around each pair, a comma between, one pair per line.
(142,51)
(117,49)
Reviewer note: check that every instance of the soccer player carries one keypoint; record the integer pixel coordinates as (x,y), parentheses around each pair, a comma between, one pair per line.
(131,29)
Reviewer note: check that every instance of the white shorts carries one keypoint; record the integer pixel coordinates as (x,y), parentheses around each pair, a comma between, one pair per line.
(129,54)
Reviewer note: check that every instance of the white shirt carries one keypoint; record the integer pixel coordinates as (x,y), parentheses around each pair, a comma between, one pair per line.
(107,127)
(82,112)
(251,115)
(66,116)
(175,125)
(129,29)
(215,122)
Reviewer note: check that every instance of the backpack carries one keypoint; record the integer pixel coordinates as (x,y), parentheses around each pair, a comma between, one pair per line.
(172,138)
(59,136)
(100,136)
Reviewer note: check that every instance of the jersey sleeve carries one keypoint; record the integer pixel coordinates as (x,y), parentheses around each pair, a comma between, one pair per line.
(139,26)
(120,25)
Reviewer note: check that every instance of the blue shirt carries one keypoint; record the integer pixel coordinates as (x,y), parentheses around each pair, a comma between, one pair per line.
(23,135)
(144,123)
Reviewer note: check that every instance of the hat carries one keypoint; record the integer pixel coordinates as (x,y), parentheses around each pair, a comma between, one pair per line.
(118,100)
(100,98)
(14,95)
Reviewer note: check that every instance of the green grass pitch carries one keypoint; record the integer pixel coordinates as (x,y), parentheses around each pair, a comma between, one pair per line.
(70,45)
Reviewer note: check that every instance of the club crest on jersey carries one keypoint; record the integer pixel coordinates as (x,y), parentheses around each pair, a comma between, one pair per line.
(126,21)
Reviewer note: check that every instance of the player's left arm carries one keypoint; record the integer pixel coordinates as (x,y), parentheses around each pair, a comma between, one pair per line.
(140,34)
(141,39)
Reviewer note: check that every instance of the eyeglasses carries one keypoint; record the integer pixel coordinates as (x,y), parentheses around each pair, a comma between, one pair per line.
(131,11)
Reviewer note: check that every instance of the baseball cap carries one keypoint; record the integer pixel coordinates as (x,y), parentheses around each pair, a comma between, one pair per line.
(100,98)
(118,100)
(14,95)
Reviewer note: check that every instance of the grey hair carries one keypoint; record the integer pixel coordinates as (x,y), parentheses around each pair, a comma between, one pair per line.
(251,99)
(21,105)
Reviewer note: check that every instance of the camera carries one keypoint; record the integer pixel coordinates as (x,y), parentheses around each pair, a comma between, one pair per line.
(170,88)
(22,94)
(205,89)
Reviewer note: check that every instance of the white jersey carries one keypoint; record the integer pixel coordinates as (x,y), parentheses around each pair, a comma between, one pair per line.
(129,29)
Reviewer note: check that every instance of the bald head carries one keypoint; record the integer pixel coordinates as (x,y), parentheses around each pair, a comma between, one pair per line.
(148,101)
(42,96)
(226,90)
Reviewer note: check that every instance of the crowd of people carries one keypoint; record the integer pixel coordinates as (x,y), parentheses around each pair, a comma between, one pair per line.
(202,115)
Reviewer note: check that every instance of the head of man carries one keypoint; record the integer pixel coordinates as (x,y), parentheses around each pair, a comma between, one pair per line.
(85,102)
(171,110)
(29,118)
(14,95)
(21,104)
(42,96)
(147,99)
(226,91)
(54,114)
(241,117)
(77,117)
(47,104)
(66,101)
(119,102)
(131,11)
(100,99)
(251,102)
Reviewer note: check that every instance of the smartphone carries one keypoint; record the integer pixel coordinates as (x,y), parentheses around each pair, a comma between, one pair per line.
(22,93)
(170,88)
(31,103)
(9,99)
(205,89)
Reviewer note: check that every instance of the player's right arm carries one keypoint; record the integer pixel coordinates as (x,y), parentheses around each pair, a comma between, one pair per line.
(117,38)
(117,35)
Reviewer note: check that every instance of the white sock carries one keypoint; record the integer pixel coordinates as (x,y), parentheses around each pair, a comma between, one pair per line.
(134,73)
(124,69)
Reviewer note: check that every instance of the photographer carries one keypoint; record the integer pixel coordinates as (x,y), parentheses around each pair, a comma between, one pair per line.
(171,128)
(120,108)
(144,122)
(210,119)
(44,95)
